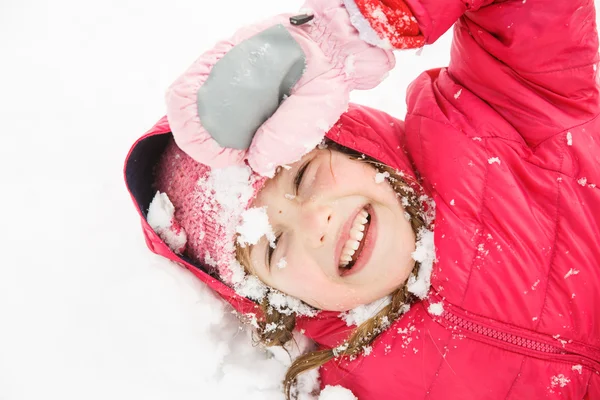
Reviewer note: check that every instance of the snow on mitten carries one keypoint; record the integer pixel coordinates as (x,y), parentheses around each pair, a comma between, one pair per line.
(270,93)
(385,23)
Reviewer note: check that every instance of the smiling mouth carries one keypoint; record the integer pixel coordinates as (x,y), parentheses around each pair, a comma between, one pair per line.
(354,245)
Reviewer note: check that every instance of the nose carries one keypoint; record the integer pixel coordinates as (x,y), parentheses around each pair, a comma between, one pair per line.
(315,223)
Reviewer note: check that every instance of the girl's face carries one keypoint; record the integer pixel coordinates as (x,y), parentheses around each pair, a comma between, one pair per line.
(342,238)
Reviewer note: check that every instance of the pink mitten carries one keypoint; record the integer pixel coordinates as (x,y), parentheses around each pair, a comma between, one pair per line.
(270,93)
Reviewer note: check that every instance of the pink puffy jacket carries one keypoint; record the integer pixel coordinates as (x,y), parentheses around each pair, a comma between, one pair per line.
(507,142)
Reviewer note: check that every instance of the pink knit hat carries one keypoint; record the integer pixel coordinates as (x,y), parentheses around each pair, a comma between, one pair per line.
(206,208)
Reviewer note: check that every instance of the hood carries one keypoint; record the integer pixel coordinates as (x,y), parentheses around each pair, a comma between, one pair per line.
(362,129)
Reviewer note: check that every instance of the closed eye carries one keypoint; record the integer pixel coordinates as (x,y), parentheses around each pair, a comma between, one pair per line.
(299,176)
(271,250)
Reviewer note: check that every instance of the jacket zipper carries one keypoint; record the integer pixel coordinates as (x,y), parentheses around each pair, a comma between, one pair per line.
(501,336)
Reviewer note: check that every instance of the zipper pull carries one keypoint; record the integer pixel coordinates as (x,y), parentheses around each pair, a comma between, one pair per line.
(301,19)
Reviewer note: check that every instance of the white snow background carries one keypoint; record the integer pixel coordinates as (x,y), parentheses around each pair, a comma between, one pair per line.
(86,311)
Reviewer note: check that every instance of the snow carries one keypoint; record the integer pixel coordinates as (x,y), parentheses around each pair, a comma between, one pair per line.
(255,224)
(160,219)
(577,368)
(436,308)
(559,380)
(381,176)
(571,272)
(493,160)
(85,307)
(425,254)
(252,288)
(287,304)
(362,313)
(336,393)
(569,139)
(282,263)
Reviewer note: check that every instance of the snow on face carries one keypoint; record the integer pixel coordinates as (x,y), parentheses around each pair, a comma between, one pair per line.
(313,223)
(255,225)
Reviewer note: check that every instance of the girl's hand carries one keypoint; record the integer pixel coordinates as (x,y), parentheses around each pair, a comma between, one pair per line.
(270,93)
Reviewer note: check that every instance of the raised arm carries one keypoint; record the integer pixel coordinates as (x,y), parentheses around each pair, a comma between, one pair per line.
(533,61)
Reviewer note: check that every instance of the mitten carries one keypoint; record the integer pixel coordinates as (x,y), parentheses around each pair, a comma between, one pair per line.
(268,95)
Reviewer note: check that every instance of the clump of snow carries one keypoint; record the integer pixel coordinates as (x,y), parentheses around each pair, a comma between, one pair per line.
(336,393)
(237,272)
(436,308)
(425,255)
(252,288)
(362,313)
(381,176)
(582,181)
(577,368)
(493,160)
(571,272)
(452,202)
(282,263)
(457,94)
(569,139)
(289,196)
(255,225)
(287,304)
(559,380)
(161,218)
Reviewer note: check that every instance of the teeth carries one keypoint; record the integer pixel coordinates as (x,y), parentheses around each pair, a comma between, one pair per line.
(356,235)
(346,258)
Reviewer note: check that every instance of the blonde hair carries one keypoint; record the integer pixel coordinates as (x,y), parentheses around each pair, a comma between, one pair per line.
(365,334)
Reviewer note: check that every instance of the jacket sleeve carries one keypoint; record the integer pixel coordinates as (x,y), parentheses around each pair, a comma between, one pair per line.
(533,61)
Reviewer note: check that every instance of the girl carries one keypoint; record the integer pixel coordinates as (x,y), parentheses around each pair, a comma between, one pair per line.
(498,156)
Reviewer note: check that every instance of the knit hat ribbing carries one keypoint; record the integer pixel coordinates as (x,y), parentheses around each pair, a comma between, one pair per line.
(208,205)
